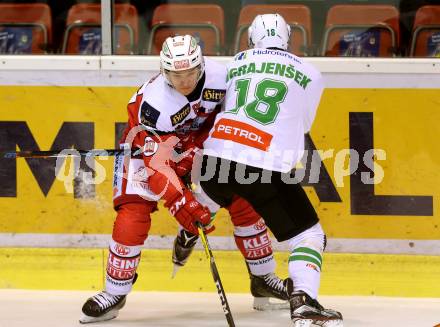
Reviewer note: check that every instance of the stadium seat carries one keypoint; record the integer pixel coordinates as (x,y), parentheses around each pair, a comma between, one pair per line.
(25,28)
(297,16)
(426,33)
(83,29)
(203,21)
(361,31)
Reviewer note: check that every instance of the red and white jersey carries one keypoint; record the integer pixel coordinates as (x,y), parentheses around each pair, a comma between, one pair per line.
(157,114)
(271,101)
(160,108)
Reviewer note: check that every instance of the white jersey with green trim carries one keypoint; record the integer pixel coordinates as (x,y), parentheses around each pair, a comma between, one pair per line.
(271,101)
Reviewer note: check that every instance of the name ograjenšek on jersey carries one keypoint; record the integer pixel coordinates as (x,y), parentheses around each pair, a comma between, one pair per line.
(288,71)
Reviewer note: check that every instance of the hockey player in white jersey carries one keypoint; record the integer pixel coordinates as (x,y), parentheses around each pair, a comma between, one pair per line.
(168,113)
(271,101)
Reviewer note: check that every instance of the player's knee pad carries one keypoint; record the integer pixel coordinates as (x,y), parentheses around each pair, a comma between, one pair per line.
(133,223)
(308,247)
(242,213)
(254,243)
(122,263)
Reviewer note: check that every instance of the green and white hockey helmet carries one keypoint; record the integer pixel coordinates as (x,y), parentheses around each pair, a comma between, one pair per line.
(269,31)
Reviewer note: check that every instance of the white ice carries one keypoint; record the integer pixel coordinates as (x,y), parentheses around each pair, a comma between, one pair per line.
(24,308)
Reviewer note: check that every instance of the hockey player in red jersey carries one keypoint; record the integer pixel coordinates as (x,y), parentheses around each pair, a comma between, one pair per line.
(166,114)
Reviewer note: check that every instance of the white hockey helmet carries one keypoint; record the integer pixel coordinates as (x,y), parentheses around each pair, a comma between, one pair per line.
(269,31)
(181,53)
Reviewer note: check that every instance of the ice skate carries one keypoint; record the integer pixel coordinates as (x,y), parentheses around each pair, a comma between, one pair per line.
(182,248)
(270,292)
(307,312)
(103,306)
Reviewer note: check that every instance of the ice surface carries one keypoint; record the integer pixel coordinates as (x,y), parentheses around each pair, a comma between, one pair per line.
(25,308)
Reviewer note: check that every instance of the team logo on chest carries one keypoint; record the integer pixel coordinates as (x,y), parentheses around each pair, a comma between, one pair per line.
(179,116)
(150,147)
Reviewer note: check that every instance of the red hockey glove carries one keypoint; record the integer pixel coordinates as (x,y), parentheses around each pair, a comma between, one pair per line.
(187,210)
(183,167)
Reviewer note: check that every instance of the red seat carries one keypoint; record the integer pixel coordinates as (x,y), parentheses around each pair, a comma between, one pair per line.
(203,21)
(25,28)
(83,29)
(426,32)
(297,16)
(361,31)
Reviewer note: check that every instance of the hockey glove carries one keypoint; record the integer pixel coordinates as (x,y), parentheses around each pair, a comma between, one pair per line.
(183,167)
(187,211)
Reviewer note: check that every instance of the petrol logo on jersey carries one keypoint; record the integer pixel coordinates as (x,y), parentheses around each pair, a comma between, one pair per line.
(148,116)
(213,95)
(179,116)
(239,132)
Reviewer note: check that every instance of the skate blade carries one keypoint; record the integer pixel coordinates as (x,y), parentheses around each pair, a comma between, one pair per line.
(175,270)
(302,323)
(310,323)
(269,304)
(108,316)
(333,323)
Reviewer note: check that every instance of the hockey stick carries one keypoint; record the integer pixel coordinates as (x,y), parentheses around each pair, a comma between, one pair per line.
(65,153)
(216,276)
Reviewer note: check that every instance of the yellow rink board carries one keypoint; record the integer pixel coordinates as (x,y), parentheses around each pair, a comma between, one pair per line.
(343,274)
(405,126)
